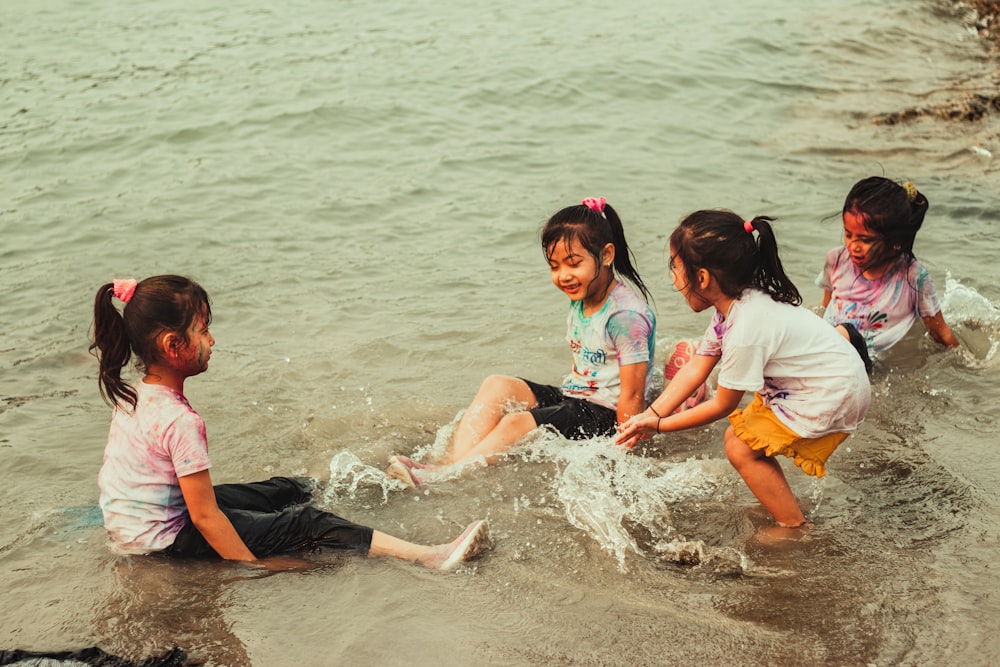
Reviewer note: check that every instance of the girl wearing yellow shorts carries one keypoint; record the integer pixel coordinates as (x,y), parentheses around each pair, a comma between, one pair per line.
(810,385)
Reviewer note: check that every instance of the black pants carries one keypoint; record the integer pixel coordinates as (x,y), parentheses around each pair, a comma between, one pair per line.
(271,517)
(573,418)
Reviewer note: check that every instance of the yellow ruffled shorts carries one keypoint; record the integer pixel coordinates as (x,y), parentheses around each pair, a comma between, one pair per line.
(760,429)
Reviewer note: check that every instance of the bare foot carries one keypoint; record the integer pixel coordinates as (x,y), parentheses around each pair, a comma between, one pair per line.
(779,535)
(472,542)
(403,468)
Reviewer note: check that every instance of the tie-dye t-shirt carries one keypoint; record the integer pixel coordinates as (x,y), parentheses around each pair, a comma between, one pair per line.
(884,309)
(622,332)
(148,449)
(808,374)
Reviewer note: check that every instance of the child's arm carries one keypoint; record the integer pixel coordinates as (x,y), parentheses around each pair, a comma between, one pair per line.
(940,331)
(688,378)
(827,295)
(632,399)
(214,526)
(720,405)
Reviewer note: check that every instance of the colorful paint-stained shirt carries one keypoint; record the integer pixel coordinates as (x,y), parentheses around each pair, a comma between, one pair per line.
(148,449)
(811,377)
(621,333)
(884,309)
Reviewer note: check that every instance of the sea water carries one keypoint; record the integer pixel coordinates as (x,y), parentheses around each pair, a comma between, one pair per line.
(359,186)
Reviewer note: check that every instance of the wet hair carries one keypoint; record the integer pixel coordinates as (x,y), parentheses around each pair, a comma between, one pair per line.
(593,231)
(717,240)
(159,304)
(889,211)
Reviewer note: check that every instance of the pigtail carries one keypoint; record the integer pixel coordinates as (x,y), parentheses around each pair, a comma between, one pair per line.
(624,258)
(112,348)
(769,275)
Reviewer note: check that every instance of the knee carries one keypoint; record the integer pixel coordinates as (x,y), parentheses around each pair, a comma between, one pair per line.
(494,383)
(737,451)
(521,422)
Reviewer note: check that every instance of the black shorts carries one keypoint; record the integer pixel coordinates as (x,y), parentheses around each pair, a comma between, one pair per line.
(271,517)
(573,418)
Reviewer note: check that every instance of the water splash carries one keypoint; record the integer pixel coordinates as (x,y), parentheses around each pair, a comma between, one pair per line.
(611,494)
(962,303)
(348,473)
(975,318)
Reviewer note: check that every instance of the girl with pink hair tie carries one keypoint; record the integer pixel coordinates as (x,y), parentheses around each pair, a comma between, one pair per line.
(157,494)
(611,333)
(809,385)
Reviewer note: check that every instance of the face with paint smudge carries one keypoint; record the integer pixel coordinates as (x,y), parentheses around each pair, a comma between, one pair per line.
(192,358)
(867,248)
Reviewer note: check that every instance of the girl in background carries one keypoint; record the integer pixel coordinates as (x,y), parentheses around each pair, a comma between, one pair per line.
(611,332)
(810,387)
(873,284)
(156,490)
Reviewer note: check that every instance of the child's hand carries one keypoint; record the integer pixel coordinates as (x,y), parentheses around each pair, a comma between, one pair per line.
(638,428)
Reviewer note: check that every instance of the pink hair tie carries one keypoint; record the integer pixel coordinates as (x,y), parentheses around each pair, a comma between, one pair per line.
(595,204)
(748,226)
(123,289)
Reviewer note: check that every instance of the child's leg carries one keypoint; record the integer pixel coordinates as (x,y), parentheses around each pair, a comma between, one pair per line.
(292,529)
(511,428)
(485,413)
(268,496)
(304,527)
(466,546)
(854,337)
(764,477)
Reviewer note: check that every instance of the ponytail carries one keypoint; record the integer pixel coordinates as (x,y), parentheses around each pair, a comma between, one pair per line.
(112,348)
(769,275)
(623,254)
(724,244)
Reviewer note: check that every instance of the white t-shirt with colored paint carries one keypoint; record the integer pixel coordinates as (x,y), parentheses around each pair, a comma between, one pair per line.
(621,333)
(884,309)
(148,449)
(810,376)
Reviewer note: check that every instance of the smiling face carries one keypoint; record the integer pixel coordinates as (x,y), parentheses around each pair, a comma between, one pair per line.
(866,248)
(578,274)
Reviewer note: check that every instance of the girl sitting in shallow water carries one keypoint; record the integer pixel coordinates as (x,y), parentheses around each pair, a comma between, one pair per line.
(874,284)
(611,332)
(156,491)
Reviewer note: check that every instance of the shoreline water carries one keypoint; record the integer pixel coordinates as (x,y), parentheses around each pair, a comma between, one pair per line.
(361,194)
(982,16)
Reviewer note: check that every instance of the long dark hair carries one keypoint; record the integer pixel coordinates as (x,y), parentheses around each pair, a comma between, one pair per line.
(158,304)
(892,211)
(719,242)
(593,230)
